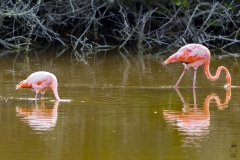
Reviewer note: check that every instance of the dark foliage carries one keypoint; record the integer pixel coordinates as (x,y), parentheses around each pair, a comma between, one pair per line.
(86,24)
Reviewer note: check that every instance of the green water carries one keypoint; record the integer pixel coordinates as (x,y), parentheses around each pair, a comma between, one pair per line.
(117,106)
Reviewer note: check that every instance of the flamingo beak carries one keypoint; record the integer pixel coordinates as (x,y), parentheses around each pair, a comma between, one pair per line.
(18,87)
(226,86)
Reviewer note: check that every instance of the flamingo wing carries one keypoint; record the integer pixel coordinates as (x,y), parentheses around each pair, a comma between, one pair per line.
(190,55)
(39,81)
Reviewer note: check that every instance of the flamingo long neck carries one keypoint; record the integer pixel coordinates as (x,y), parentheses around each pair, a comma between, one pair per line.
(55,90)
(213,78)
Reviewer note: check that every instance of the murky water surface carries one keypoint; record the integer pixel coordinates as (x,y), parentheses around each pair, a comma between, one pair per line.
(118,106)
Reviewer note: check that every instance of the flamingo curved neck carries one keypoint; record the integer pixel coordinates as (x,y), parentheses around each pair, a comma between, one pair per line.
(55,92)
(213,78)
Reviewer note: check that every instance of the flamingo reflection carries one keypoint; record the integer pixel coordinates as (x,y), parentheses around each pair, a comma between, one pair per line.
(39,117)
(193,122)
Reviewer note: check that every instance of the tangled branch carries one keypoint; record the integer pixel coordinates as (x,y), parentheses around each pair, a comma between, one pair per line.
(90,24)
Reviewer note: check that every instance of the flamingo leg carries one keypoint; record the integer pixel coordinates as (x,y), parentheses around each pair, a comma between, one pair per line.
(36,95)
(194,78)
(184,71)
(194,98)
(42,95)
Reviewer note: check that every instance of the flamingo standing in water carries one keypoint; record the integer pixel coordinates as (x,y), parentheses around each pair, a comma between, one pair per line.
(195,55)
(40,81)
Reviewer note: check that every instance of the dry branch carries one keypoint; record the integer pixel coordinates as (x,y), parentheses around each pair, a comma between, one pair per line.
(88,24)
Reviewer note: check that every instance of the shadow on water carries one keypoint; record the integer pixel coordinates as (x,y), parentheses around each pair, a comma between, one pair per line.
(39,116)
(192,122)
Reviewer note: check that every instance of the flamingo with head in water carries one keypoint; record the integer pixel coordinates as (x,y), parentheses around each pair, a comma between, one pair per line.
(195,55)
(40,81)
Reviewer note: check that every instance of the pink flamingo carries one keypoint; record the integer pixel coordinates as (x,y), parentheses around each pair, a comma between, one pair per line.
(40,81)
(195,55)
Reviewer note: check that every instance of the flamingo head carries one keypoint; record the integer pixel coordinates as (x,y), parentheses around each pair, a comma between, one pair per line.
(18,86)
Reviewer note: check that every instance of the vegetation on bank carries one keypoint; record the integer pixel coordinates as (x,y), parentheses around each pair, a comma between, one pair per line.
(87,24)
